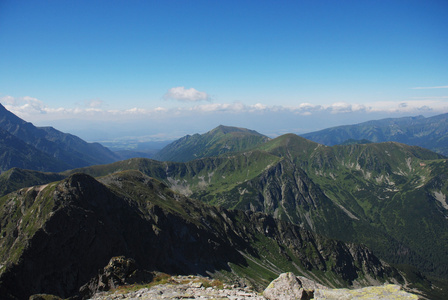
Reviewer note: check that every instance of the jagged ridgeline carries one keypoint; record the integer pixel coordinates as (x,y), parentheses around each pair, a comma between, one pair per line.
(56,237)
(389,196)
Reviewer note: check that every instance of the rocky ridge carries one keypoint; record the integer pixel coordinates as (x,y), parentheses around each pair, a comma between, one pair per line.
(286,287)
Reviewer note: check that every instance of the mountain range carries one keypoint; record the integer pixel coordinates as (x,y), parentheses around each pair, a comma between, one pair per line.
(389,196)
(262,206)
(430,133)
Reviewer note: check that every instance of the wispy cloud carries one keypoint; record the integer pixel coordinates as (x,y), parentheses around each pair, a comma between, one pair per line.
(180,93)
(430,87)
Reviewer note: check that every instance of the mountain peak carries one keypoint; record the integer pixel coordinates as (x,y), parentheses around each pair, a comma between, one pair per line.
(230,129)
(221,140)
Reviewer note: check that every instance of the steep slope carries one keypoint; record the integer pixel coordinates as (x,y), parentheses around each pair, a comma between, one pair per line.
(16,153)
(222,139)
(387,185)
(430,133)
(62,146)
(56,237)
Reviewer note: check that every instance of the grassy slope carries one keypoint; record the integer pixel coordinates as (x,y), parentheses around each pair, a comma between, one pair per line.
(220,140)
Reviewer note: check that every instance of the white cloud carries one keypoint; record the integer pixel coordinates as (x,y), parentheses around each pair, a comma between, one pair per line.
(94,103)
(31,109)
(178,120)
(24,105)
(180,93)
(430,87)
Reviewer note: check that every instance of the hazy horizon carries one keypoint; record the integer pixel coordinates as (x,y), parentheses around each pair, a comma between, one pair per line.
(107,70)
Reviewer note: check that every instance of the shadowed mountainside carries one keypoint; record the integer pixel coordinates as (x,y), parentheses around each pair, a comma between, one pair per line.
(56,237)
(67,151)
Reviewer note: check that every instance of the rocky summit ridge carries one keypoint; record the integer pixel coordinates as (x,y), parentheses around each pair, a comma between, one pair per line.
(286,287)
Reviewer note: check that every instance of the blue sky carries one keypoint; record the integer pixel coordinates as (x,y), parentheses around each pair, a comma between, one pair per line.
(162,69)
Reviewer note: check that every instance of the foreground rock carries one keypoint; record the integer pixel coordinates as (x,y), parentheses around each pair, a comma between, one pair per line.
(287,287)
(389,291)
(120,271)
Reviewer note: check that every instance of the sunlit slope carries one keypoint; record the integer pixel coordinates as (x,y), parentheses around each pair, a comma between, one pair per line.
(221,140)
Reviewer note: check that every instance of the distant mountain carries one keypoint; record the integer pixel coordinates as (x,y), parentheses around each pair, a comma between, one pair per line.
(127,154)
(221,140)
(16,153)
(56,237)
(67,151)
(430,133)
(355,142)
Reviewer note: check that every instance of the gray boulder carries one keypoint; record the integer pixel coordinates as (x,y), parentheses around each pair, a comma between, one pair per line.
(287,287)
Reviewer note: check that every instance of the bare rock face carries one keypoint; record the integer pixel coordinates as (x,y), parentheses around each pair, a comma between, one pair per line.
(118,272)
(287,287)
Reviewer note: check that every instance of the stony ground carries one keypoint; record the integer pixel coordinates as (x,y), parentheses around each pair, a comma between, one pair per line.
(183,287)
(193,287)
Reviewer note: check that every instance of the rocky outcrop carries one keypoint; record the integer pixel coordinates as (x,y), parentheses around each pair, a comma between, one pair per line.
(118,272)
(287,287)
(183,287)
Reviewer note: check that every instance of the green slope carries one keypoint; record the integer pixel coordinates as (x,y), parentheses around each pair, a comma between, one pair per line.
(222,139)
(391,187)
(15,179)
